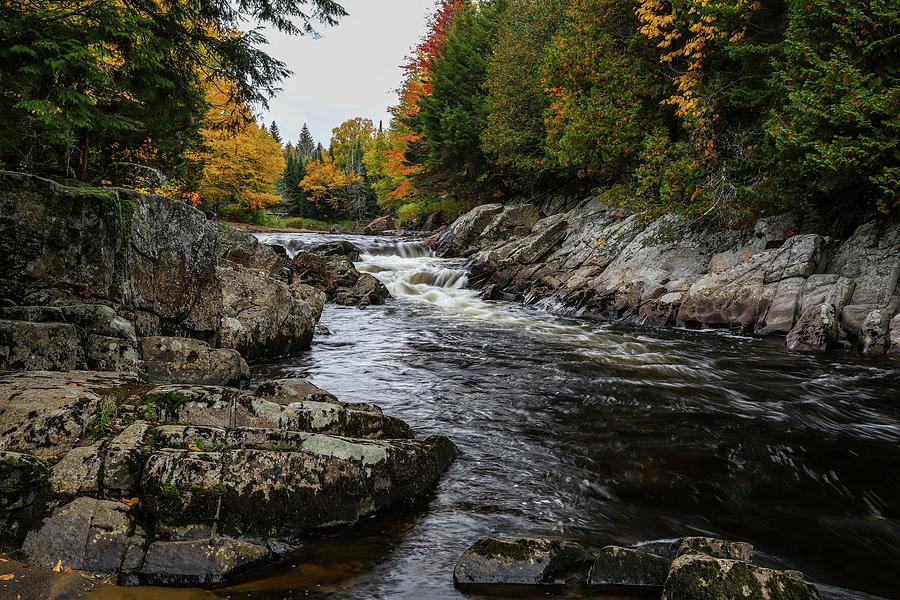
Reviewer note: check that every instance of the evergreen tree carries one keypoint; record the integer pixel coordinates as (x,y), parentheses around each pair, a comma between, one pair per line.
(273,130)
(306,146)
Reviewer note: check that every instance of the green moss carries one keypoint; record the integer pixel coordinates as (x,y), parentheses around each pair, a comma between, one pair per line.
(162,406)
(101,425)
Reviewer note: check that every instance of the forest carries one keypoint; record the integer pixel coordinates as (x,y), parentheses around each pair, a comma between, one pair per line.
(723,109)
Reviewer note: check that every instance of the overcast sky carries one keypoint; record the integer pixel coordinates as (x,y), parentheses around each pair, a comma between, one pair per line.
(352,70)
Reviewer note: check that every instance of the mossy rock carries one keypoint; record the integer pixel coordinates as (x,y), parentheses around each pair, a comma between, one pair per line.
(502,560)
(699,577)
(618,566)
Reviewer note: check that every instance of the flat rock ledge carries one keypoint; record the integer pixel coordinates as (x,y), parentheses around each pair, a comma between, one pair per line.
(690,568)
(180,484)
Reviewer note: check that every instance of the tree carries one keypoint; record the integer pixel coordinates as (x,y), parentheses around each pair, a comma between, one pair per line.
(837,123)
(328,187)
(87,81)
(306,146)
(451,117)
(273,131)
(346,136)
(515,136)
(241,167)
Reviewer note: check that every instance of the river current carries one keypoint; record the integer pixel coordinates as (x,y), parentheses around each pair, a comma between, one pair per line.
(596,432)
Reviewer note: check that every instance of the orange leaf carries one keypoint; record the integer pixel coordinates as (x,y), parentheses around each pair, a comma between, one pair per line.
(131,501)
(7,577)
(57,567)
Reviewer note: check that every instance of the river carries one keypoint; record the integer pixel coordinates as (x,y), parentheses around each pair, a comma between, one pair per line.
(596,432)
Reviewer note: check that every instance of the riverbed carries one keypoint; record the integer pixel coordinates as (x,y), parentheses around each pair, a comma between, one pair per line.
(596,432)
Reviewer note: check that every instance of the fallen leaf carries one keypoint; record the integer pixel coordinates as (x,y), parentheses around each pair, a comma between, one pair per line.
(3,559)
(57,567)
(131,501)
(67,570)
(7,577)
(193,447)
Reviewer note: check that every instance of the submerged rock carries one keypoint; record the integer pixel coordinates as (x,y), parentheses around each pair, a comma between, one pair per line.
(339,279)
(701,577)
(503,560)
(717,548)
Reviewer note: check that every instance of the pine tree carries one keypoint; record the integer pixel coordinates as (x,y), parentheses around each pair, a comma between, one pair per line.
(306,146)
(273,130)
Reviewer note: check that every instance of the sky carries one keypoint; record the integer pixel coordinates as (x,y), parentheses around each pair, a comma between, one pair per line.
(352,70)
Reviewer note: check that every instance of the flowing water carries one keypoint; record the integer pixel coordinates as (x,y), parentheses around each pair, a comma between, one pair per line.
(601,433)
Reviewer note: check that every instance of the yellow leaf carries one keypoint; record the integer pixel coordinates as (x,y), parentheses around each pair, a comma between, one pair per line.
(193,447)
(7,577)
(57,567)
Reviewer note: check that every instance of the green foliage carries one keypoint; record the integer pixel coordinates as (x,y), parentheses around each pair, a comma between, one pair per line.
(515,136)
(455,113)
(837,125)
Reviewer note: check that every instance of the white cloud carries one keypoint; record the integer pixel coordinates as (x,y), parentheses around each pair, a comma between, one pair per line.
(352,70)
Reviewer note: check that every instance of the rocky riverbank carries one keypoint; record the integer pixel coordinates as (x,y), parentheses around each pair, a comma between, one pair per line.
(820,282)
(127,447)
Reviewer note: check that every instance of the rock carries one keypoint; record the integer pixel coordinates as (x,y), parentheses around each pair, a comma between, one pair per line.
(339,279)
(136,176)
(78,473)
(29,582)
(716,548)
(47,413)
(104,340)
(186,360)
(86,535)
(870,258)
(459,238)
(853,316)
(200,562)
(817,330)
(783,309)
(628,567)
(322,481)
(502,560)
(874,333)
(697,577)
(661,311)
(514,221)
(262,316)
(286,391)
(244,249)
(894,336)
(827,288)
(548,233)
(224,407)
(379,225)
(40,346)
(336,228)
(337,248)
(124,461)
(22,480)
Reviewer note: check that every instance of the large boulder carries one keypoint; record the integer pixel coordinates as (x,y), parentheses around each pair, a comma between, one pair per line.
(617,566)
(186,360)
(874,334)
(380,225)
(503,560)
(894,335)
(460,237)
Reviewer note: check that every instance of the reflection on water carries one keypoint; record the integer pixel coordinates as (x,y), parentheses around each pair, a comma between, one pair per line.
(600,433)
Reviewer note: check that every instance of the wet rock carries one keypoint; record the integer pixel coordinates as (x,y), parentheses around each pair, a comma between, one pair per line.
(503,560)
(716,548)
(186,360)
(124,461)
(339,279)
(696,576)
(22,478)
(379,225)
(817,330)
(28,582)
(853,316)
(200,562)
(661,311)
(337,248)
(323,481)
(614,565)
(894,336)
(874,333)
(86,535)
(78,472)
(40,346)
(827,288)
(261,316)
